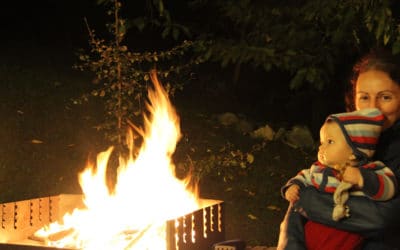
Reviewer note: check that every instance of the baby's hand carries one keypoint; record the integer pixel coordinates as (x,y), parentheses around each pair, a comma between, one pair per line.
(353,175)
(292,193)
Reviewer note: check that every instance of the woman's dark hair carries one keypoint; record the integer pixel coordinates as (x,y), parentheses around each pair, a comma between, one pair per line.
(377,59)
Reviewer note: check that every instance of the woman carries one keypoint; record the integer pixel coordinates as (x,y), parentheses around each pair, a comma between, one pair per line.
(376,84)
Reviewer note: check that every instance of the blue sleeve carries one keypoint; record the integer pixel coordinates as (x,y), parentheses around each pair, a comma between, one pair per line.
(392,159)
(366,215)
(388,149)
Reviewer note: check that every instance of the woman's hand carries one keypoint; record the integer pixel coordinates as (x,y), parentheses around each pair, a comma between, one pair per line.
(292,193)
(353,175)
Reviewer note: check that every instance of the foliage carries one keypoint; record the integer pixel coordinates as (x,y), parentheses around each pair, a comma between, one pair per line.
(224,162)
(122,76)
(168,26)
(307,39)
(304,38)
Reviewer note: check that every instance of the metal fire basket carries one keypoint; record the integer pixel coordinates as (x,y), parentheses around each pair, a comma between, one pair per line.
(198,230)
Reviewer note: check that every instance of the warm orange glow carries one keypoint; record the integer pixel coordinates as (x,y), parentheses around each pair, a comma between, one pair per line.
(145,196)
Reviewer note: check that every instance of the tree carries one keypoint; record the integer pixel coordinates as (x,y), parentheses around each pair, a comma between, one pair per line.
(307,39)
(123,75)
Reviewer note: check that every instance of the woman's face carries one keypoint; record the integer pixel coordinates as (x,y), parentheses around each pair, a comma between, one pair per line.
(375,89)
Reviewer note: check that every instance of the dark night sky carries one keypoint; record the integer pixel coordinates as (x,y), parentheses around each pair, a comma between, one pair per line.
(60,24)
(47,22)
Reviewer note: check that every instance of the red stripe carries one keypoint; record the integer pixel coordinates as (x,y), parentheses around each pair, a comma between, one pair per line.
(315,184)
(364,139)
(390,174)
(370,165)
(357,117)
(330,189)
(326,189)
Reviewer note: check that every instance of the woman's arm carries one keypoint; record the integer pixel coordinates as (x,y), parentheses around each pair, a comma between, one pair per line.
(380,183)
(366,215)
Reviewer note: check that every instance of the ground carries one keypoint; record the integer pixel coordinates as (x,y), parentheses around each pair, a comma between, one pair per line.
(46,141)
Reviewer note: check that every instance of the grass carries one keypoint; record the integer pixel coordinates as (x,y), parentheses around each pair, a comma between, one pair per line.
(46,141)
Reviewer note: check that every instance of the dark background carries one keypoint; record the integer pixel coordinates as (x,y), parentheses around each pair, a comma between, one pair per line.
(54,31)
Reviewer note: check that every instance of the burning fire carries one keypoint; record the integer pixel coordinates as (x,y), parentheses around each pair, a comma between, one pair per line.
(145,196)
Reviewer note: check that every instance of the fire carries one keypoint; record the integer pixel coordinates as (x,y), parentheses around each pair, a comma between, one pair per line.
(146,193)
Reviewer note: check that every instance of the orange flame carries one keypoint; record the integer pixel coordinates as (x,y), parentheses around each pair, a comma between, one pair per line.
(145,196)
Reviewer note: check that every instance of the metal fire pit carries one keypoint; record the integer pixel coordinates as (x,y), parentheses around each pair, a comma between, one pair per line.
(198,230)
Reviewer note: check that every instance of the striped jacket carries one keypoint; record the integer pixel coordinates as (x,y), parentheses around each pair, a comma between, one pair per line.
(379,181)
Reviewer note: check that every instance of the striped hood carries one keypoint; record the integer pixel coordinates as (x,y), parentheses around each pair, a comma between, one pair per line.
(361,129)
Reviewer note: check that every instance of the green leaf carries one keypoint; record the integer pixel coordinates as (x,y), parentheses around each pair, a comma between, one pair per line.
(166,32)
(298,79)
(175,33)
(160,5)
(396,47)
(139,23)
(100,2)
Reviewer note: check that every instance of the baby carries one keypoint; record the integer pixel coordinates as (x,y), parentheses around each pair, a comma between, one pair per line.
(344,167)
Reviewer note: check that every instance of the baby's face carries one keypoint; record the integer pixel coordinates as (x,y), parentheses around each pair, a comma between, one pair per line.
(334,148)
